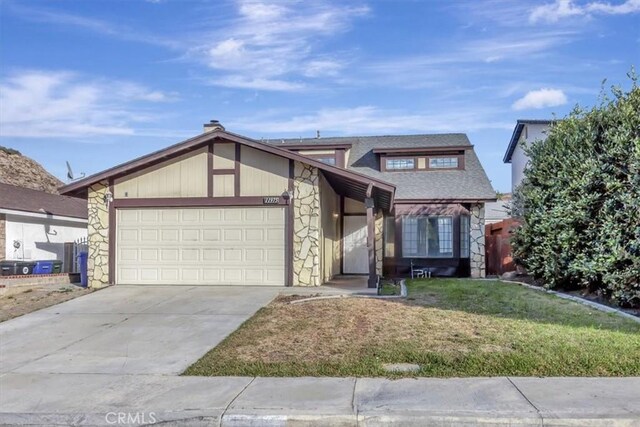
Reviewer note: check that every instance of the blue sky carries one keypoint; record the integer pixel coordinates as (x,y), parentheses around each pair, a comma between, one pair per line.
(101,82)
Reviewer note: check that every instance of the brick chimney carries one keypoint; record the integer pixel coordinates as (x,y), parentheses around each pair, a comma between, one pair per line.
(213,125)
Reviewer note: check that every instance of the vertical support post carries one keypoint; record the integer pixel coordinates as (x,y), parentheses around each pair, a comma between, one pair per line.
(371,242)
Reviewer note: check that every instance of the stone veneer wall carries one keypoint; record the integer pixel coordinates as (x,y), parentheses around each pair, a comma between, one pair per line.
(477,240)
(98,235)
(378,242)
(3,236)
(306,226)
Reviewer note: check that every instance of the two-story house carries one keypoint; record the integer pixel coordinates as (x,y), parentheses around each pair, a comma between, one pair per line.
(221,208)
(525,132)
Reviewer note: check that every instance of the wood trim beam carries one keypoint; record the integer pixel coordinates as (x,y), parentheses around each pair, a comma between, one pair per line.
(371,242)
(223,171)
(421,150)
(236,180)
(210,171)
(369,190)
(341,228)
(194,202)
(289,228)
(112,238)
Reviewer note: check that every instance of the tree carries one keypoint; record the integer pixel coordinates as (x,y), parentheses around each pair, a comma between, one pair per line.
(580,200)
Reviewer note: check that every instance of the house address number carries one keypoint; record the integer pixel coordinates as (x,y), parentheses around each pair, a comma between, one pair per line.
(271,200)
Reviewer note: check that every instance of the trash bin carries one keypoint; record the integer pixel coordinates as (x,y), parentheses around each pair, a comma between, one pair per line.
(43,267)
(24,267)
(82,258)
(57,267)
(8,268)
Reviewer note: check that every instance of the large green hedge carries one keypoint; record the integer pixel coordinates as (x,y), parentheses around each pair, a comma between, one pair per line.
(580,201)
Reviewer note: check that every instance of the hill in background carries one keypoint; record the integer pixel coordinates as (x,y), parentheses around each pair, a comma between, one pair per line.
(20,170)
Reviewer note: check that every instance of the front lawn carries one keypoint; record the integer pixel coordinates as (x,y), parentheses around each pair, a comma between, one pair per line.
(449,327)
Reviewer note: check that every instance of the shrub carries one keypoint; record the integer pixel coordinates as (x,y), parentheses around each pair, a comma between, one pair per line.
(580,200)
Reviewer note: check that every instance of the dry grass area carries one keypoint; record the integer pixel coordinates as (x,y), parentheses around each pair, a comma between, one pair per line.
(444,326)
(17,301)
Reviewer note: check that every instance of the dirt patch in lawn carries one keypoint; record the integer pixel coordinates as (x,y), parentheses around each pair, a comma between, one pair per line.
(346,335)
(17,301)
(449,328)
(335,330)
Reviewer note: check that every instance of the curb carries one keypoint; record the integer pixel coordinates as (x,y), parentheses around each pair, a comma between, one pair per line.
(592,304)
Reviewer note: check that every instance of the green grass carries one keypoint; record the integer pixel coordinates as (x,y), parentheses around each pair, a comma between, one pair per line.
(389,289)
(449,327)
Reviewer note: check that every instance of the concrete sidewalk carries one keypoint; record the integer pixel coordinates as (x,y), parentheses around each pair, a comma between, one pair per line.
(100,399)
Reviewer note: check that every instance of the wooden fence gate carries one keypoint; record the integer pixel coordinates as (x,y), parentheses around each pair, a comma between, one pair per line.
(498,255)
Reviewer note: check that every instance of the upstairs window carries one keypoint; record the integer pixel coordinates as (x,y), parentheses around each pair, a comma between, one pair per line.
(443,163)
(400,164)
(328,160)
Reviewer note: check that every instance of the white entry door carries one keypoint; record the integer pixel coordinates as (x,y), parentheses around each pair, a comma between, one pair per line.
(356,254)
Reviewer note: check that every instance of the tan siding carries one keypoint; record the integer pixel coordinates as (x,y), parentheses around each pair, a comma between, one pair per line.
(223,185)
(184,176)
(354,206)
(224,156)
(262,174)
(422,163)
(329,234)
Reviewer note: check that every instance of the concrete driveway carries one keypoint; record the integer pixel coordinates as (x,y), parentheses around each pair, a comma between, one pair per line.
(128,330)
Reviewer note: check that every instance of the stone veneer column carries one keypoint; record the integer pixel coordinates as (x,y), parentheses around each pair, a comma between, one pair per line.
(306,226)
(3,236)
(477,241)
(379,242)
(98,235)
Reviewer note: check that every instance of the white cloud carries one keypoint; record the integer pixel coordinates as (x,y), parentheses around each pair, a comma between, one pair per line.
(553,12)
(39,103)
(372,120)
(278,42)
(541,98)
(68,20)
(258,83)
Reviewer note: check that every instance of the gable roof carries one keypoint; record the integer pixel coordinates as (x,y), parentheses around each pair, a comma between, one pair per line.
(517,131)
(471,183)
(23,199)
(381,189)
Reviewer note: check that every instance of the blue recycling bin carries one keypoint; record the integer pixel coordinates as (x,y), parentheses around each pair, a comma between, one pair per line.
(43,267)
(82,258)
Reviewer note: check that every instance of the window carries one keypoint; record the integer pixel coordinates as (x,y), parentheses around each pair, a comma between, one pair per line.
(327,160)
(399,164)
(443,163)
(464,236)
(427,236)
(389,236)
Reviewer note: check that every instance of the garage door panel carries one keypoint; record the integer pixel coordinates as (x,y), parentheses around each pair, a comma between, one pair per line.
(200,246)
(190,215)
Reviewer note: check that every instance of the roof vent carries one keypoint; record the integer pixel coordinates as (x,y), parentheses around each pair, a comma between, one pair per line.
(213,125)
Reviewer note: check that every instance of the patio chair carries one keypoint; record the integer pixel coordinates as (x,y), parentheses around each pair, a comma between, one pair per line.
(420,271)
(416,271)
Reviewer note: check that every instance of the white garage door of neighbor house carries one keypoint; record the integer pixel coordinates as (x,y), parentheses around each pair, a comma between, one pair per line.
(200,246)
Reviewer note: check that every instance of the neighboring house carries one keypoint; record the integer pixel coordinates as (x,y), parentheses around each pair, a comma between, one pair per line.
(525,132)
(498,210)
(34,225)
(221,208)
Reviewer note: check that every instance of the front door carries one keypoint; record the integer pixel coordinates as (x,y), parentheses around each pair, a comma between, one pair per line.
(356,254)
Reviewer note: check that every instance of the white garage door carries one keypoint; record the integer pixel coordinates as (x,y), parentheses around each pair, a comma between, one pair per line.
(213,246)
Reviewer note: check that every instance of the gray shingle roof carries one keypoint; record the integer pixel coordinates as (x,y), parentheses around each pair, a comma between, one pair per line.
(470,183)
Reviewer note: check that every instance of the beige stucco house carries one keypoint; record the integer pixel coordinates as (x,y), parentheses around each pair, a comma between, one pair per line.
(221,208)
